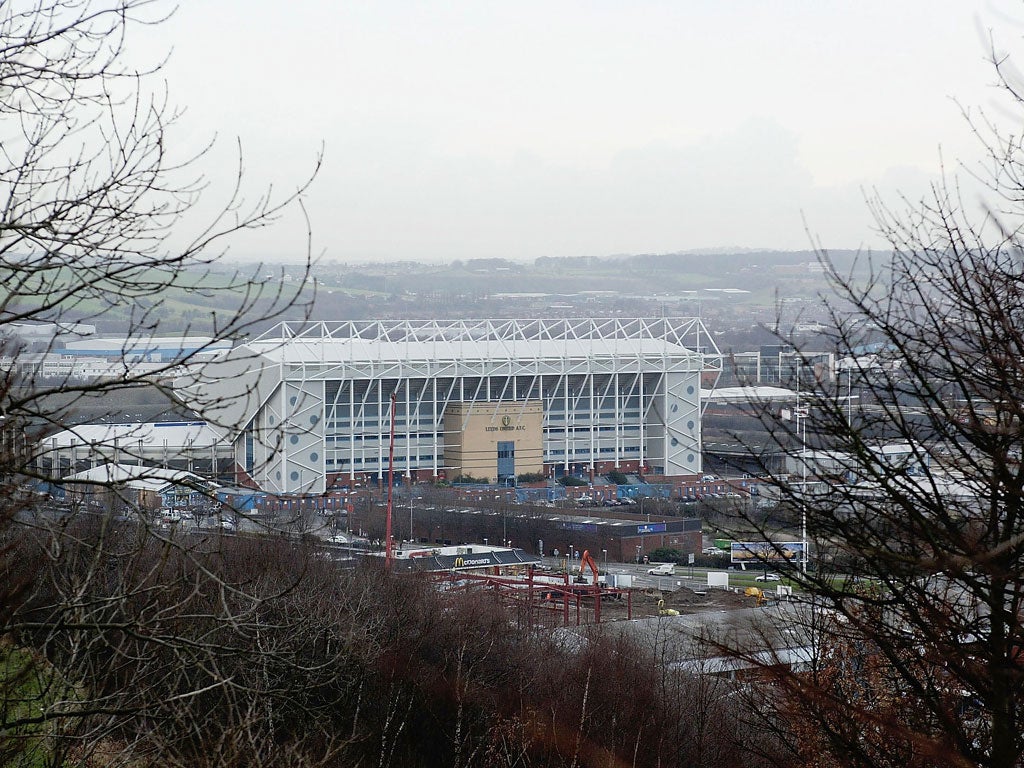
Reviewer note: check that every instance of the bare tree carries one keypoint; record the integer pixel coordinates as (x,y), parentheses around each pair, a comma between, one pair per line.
(95,209)
(98,225)
(915,496)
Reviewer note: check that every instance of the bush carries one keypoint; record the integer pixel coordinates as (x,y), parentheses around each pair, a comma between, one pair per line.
(666,555)
(470,480)
(618,478)
(531,477)
(569,480)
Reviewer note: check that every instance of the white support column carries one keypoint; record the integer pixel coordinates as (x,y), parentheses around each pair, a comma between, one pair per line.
(593,422)
(352,430)
(545,422)
(408,431)
(283,421)
(568,448)
(380,429)
(435,430)
(618,420)
(643,412)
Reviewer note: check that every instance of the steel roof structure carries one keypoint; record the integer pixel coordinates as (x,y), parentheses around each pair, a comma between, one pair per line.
(479,339)
(182,445)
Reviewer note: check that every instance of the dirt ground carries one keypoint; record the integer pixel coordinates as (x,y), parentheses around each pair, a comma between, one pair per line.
(684,600)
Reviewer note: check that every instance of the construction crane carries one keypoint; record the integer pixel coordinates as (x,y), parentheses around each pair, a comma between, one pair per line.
(587,561)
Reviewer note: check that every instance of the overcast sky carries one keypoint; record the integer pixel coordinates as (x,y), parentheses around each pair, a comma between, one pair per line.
(455,130)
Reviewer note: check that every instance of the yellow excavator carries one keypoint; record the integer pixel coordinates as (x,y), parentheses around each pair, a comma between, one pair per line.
(663,611)
(755,592)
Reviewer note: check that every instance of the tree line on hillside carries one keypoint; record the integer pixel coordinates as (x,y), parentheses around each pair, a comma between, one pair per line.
(121,647)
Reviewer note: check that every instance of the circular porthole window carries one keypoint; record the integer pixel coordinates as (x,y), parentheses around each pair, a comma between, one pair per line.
(291,400)
(271,420)
(675,442)
(314,419)
(689,390)
(690,424)
(278,475)
(294,475)
(690,457)
(314,456)
(294,439)
(675,407)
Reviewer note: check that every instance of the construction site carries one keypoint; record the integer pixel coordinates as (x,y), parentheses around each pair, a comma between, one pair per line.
(575,594)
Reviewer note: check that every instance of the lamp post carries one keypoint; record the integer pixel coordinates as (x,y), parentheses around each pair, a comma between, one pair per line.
(605,553)
(803,496)
(849,397)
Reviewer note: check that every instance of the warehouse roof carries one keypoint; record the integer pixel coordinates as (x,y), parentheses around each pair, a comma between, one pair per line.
(131,476)
(172,434)
(759,394)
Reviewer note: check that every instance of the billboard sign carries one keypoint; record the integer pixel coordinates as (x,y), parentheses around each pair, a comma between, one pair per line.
(767,551)
(651,528)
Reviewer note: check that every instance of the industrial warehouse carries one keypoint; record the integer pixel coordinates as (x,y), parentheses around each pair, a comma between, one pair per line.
(309,404)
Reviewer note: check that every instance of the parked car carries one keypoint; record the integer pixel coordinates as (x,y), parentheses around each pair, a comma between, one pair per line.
(769,577)
(714,551)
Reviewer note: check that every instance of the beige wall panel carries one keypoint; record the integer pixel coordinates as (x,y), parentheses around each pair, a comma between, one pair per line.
(473,431)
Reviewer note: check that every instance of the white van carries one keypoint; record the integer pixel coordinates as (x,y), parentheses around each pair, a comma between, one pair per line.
(663,569)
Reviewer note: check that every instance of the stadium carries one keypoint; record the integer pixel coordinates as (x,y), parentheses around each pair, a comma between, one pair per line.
(309,404)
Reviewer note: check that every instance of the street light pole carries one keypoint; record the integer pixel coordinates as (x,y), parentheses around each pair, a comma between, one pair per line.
(803,498)
(801,428)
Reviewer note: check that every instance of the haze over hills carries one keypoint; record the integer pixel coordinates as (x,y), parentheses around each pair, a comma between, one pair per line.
(729,288)
(759,272)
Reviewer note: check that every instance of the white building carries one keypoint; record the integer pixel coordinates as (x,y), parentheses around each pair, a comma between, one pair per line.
(135,487)
(309,404)
(153,349)
(184,445)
